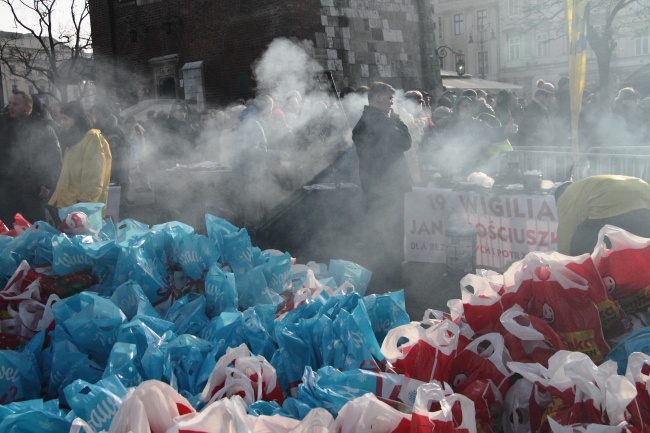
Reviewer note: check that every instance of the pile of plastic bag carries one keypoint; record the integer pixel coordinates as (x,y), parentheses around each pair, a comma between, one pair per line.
(132,328)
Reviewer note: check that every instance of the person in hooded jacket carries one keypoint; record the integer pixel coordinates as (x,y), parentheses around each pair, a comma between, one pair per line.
(87,160)
(30,160)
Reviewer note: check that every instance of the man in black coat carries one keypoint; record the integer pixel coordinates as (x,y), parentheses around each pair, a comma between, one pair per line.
(30,161)
(536,128)
(381,139)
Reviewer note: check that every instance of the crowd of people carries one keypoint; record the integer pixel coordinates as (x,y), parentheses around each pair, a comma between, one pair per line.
(377,137)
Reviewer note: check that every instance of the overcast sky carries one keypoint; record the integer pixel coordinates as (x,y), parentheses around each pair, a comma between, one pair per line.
(61,16)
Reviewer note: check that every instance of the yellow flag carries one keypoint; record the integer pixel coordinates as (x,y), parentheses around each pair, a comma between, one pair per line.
(577,13)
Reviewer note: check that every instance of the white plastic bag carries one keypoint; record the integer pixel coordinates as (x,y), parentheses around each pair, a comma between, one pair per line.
(239,372)
(367,414)
(151,407)
(223,416)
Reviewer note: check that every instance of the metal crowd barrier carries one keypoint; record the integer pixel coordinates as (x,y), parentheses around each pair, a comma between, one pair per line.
(559,166)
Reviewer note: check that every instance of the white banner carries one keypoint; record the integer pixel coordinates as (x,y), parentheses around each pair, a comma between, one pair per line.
(509,225)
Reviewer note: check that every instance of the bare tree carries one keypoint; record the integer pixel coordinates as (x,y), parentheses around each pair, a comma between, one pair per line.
(60,52)
(609,21)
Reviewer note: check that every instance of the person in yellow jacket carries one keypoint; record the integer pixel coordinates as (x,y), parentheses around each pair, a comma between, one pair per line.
(86,171)
(585,206)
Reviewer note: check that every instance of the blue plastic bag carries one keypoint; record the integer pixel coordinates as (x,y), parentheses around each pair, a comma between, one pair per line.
(294,350)
(386,312)
(167,240)
(238,252)
(8,263)
(68,256)
(357,275)
(638,341)
(140,334)
(220,292)
(253,289)
(188,314)
(155,360)
(19,376)
(65,354)
(131,299)
(258,339)
(124,363)
(227,327)
(25,245)
(277,270)
(217,228)
(96,403)
(186,355)
(91,322)
(140,264)
(35,421)
(196,255)
(108,231)
(86,370)
(267,408)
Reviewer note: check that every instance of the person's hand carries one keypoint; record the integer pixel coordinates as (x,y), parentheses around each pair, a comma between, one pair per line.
(44,192)
(511,128)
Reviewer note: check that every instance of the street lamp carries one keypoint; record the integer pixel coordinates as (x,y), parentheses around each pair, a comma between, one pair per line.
(441,52)
(481,31)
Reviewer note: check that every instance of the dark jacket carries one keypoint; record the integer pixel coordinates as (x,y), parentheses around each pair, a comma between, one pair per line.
(116,137)
(535,128)
(381,142)
(30,158)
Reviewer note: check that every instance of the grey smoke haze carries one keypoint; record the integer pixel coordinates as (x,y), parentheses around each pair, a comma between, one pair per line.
(286,66)
(274,156)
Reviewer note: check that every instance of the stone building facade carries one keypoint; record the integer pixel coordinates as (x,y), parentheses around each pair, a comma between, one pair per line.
(203,50)
(520,45)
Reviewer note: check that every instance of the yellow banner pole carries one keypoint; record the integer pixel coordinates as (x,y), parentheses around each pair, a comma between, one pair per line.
(577,14)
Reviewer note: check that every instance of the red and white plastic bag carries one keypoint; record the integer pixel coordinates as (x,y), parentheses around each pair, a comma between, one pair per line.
(438,409)
(479,372)
(529,338)
(624,267)
(428,353)
(546,288)
(638,373)
(483,303)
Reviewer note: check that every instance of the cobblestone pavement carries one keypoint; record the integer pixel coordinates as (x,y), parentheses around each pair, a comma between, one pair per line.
(430,288)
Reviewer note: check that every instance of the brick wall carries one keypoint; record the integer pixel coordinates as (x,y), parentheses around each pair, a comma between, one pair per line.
(360,40)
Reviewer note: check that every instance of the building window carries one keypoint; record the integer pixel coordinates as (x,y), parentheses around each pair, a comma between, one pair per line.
(514,48)
(459,24)
(481,19)
(514,7)
(641,46)
(440,29)
(542,44)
